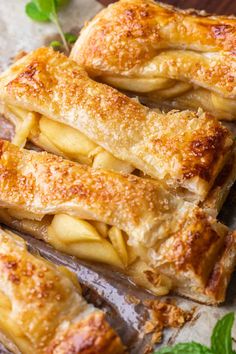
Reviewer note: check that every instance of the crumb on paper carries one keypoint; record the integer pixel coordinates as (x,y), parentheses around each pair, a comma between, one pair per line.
(164,315)
(132,299)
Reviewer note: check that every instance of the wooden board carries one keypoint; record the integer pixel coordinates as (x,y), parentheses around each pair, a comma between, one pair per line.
(212,6)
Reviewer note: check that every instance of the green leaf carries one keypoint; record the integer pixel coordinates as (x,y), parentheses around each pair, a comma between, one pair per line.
(185,348)
(221,341)
(34,13)
(47,7)
(50,7)
(44,10)
(55,44)
(71,38)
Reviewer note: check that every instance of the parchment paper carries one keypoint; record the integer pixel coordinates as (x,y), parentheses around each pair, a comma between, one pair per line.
(18,32)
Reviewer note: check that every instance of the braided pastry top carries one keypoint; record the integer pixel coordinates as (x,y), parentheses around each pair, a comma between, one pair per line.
(158,44)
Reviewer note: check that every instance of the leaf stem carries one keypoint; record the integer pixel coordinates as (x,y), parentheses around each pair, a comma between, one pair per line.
(54,18)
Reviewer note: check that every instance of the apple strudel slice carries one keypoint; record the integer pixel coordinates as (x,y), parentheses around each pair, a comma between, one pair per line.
(161,242)
(179,59)
(42,309)
(53,102)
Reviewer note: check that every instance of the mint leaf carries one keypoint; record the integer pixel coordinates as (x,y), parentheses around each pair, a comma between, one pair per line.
(34,13)
(71,38)
(46,10)
(221,341)
(185,348)
(47,7)
(50,7)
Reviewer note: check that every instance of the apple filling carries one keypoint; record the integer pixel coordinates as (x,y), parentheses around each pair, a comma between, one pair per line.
(221,107)
(93,240)
(89,240)
(184,94)
(62,140)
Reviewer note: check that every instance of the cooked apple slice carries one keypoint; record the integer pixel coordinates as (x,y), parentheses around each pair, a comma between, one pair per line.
(101,227)
(65,138)
(23,130)
(97,251)
(70,229)
(46,144)
(118,242)
(176,90)
(132,254)
(105,160)
(139,84)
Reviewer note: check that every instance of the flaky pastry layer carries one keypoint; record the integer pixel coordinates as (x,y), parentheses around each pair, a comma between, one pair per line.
(180,244)
(42,310)
(42,183)
(179,59)
(182,149)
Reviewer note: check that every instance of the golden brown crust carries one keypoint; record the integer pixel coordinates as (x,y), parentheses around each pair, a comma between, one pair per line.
(127,35)
(142,39)
(199,258)
(42,304)
(174,237)
(223,269)
(46,184)
(183,149)
(221,188)
(145,25)
(90,336)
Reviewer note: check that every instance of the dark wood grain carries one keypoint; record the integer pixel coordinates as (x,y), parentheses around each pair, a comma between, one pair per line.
(212,6)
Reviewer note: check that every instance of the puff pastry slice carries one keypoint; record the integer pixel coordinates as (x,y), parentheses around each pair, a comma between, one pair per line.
(52,101)
(122,220)
(180,59)
(42,309)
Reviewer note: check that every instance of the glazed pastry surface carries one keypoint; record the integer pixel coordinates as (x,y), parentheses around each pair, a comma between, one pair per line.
(178,59)
(41,193)
(181,149)
(41,307)
(41,183)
